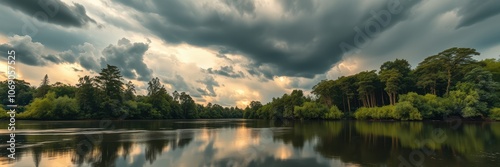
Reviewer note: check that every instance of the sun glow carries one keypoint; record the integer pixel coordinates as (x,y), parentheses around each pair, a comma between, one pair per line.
(240,92)
(283,153)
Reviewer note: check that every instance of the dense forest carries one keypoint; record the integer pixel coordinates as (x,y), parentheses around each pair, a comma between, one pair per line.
(450,83)
(107,96)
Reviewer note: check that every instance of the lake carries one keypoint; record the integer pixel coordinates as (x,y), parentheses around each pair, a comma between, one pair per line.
(241,143)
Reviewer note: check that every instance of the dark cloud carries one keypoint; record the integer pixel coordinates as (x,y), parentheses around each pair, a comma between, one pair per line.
(297,6)
(305,84)
(52,58)
(227,71)
(35,53)
(222,54)
(76,69)
(476,11)
(242,6)
(27,51)
(264,73)
(209,83)
(52,11)
(129,57)
(85,54)
(52,36)
(302,41)
(180,85)
(203,92)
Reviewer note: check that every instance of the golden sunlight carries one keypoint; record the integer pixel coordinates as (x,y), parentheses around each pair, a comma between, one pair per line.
(283,152)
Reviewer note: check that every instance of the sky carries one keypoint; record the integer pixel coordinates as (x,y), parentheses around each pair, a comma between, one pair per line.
(232,52)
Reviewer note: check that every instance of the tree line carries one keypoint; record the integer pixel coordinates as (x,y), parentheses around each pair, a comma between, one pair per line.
(108,96)
(450,83)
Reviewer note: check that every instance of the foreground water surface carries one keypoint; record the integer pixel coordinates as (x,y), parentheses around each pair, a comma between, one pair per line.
(241,143)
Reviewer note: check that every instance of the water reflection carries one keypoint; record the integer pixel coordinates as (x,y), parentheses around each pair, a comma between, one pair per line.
(254,143)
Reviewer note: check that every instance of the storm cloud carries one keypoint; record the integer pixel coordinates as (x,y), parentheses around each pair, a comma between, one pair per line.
(129,57)
(52,11)
(226,71)
(180,85)
(476,11)
(302,40)
(31,52)
(209,83)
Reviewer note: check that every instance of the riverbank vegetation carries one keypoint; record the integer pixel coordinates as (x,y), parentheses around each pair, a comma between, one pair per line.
(107,96)
(450,83)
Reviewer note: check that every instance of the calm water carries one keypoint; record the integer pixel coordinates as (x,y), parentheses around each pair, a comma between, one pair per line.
(239,143)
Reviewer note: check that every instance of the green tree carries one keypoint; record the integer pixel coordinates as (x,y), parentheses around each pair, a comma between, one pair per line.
(404,68)
(492,66)
(251,110)
(65,108)
(465,101)
(325,91)
(109,82)
(431,74)
(24,93)
(453,60)
(485,86)
(367,84)
(348,89)
(43,88)
(296,98)
(61,90)
(188,106)
(129,93)
(393,81)
(88,97)
(159,98)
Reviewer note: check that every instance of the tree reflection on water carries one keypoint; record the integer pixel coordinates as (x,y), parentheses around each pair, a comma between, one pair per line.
(254,143)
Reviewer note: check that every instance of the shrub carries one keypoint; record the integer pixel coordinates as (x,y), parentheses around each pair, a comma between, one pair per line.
(310,110)
(429,106)
(3,113)
(407,111)
(333,113)
(65,108)
(146,110)
(40,108)
(131,109)
(384,112)
(495,114)
(362,113)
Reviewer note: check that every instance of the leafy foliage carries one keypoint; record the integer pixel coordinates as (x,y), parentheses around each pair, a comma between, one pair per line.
(406,111)
(495,114)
